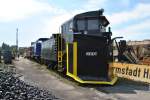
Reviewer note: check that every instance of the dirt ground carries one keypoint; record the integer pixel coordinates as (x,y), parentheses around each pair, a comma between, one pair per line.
(38,75)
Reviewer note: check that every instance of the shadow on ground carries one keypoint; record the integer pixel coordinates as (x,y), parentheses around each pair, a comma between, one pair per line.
(122,86)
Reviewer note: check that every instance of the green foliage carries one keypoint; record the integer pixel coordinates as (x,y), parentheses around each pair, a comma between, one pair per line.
(13,49)
(5,47)
(22,50)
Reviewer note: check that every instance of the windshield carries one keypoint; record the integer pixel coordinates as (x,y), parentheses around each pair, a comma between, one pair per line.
(87,24)
(92,24)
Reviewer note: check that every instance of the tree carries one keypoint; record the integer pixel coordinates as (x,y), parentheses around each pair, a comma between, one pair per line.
(5,47)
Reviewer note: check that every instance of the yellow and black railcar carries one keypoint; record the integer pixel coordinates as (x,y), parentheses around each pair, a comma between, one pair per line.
(84,49)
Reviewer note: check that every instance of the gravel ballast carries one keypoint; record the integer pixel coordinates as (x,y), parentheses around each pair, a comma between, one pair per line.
(12,88)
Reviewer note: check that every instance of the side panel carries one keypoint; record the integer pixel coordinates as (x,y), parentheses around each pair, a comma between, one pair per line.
(47,51)
(38,49)
(70,58)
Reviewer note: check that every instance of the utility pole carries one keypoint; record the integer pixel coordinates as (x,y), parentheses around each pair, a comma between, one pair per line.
(17,42)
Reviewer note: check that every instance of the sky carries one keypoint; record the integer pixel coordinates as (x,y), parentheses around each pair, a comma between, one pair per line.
(41,18)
